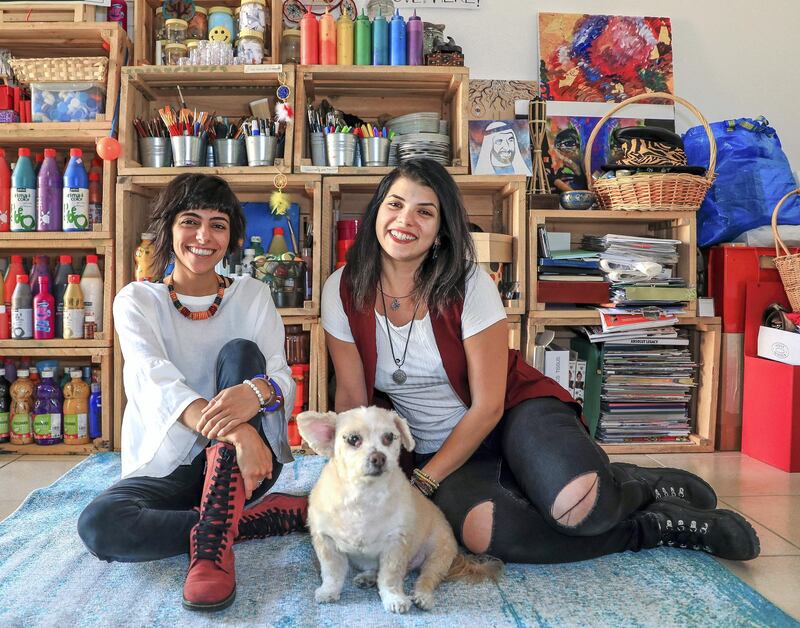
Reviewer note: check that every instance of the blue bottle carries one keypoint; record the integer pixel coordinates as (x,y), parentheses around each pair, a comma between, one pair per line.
(397,40)
(95,412)
(75,206)
(380,41)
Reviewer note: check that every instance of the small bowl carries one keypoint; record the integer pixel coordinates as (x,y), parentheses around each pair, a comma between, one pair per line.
(577,199)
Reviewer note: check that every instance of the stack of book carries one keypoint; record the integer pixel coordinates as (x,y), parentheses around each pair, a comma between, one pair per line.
(569,275)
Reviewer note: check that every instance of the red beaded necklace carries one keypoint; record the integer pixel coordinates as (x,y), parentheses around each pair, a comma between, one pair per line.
(197,316)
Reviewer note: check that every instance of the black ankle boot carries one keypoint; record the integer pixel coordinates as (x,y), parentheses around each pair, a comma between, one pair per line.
(672,523)
(665,482)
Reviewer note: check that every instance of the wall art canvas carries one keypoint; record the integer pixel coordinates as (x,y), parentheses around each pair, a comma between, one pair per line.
(500,147)
(494,99)
(603,58)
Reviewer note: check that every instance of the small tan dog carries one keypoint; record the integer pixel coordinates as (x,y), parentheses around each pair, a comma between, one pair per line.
(364,511)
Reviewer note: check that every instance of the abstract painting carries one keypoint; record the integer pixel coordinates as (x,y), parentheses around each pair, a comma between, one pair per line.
(603,58)
(500,147)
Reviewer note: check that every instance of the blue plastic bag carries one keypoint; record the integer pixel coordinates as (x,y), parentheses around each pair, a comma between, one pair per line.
(753,174)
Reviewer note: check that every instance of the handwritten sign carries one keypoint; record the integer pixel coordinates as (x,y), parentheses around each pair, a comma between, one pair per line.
(439,4)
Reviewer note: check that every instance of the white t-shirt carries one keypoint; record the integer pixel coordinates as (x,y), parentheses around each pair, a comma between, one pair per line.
(426,399)
(170,361)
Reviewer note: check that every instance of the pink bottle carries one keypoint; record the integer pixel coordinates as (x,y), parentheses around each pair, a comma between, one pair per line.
(44,311)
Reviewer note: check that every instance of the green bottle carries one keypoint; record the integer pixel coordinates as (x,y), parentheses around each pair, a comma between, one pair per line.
(363,40)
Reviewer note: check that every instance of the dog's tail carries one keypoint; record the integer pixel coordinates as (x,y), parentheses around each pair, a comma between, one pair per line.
(475,568)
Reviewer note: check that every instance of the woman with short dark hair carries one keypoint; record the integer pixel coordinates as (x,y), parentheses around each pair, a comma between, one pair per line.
(209,393)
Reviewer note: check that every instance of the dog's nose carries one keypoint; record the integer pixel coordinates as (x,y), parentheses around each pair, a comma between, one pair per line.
(377,459)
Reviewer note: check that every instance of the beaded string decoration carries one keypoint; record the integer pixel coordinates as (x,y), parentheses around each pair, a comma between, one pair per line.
(197,316)
(283,110)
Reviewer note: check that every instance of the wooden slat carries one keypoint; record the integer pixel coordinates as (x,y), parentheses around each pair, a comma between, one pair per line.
(16,12)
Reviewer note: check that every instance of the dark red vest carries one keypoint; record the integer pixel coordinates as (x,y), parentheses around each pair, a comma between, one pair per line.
(524,381)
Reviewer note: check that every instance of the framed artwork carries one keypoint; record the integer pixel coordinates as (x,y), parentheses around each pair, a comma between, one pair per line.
(493,99)
(500,147)
(603,58)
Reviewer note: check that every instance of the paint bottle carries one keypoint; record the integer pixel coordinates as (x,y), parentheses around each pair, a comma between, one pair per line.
(5,193)
(22,310)
(380,41)
(363,40)
(255,244)
(44,311)
(397,40)
(22,409)
(49,194)
(76,410)
(37,163)
(309,39)
(73,309)
(414,30)
(23,193)
(95,199)
(344,40)
(40,268)
(5,408)
(92,290)
(75,213)
(11,369)
(278,245)
(327,39)
(47,410)
(95,412)
(60,284)
(5,318)
(89,327)
(33,373)
(15,268)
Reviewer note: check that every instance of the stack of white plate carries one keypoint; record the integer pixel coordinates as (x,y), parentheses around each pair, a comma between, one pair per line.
(423,122)
(434,146)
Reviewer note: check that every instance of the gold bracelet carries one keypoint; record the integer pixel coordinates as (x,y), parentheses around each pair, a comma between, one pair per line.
(424,482)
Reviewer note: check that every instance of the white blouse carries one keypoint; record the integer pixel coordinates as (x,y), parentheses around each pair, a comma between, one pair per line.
(170,361)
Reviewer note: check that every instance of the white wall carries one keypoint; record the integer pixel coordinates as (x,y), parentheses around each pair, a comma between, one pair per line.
(732,58)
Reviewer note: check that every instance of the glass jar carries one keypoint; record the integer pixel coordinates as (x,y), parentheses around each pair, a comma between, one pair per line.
(250,47)
(253,15)
(290,46)
(198,25)
(159,25)
(161,52)
(174,52)
(297,345)
(176,30)
(220,24)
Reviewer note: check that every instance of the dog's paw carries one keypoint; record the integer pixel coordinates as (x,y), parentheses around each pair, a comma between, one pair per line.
(423,599)
(325,595)
(395,603)
(366,579)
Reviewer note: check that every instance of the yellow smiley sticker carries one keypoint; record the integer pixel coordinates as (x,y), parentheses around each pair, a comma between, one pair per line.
(219,33)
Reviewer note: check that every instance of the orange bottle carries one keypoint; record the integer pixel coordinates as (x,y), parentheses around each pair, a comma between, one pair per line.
(76,410)
(22,409)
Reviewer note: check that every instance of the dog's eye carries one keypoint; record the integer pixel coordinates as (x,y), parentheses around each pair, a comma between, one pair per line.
(354,440)
(388,438)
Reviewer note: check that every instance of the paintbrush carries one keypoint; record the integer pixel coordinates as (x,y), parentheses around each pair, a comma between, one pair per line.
(184,108)
(260,108)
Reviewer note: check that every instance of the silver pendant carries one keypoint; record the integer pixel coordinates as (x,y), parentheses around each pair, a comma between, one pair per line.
(399,376)
(395,305)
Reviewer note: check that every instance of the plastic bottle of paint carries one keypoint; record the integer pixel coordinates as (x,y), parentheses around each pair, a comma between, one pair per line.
(95,199)
(76,410)
(22,409)
(47,411)
(363,40)
(44,311)
(60,284)
(15,268)
(75,213)
(40,268)
(397,40)
(327,39)
(38,160)
(380,41)
(49,194)
(22,310)
(309,39)
(92,290)
(278,245)
(5,193)
(95,412)
(23,193)
(414,30)
(73,309)
(344,40)
(5,318)
(5,408)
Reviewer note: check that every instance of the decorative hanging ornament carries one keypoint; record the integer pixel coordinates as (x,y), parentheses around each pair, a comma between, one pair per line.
(108,148)
(283,110)
(279,200)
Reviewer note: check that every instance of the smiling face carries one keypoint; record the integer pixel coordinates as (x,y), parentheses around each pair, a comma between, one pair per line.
(408,221)
(200,239)
(503,147)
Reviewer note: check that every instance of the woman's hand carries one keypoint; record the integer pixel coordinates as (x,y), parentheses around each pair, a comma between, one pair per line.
(252,455)
(231,408)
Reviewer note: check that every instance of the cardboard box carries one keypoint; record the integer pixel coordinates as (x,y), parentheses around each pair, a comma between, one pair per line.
(729,409)
(779,345)
(493,247)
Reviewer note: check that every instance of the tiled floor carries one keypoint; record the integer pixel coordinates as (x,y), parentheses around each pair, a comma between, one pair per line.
(769,498)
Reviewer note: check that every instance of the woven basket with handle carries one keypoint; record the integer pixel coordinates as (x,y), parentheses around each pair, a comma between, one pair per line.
(787,263)
(60,69)
(652,191)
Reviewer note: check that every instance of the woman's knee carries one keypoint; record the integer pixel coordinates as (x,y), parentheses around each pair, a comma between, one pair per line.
(102,529)
(476,531)
(575,502)
(238,347)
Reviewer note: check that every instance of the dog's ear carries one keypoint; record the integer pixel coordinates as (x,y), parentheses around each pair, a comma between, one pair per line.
(406,440)
(318,429)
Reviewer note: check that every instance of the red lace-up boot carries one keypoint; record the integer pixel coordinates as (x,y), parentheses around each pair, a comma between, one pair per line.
(275,515)
(211,581)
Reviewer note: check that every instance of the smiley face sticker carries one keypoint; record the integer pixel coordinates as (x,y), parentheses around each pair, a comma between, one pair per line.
(219,33)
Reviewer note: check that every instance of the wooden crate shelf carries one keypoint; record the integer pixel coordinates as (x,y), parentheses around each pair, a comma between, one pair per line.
(678,225)
(226,90)
(27,12)
(144,32)
(493,203)
(709,331)
(386,91)
(73,356)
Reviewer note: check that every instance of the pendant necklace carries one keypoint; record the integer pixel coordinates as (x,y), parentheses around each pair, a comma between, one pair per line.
(395,304)
(399,376)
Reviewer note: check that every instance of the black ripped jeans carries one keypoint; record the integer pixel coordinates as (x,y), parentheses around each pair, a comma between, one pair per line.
(538,448)
(144,518)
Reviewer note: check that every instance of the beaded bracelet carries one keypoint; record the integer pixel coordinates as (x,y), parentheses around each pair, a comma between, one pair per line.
(425,483)
(262,403)
(276,399)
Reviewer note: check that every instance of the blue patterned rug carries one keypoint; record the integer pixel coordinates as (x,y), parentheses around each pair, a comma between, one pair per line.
(48,578)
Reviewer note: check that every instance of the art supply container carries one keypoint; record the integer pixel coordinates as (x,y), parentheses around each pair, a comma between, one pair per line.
(341,149)
(309,39)
(220,24)
(261,150)
(198,25)
(49,192)
(188,150)
(176,30)
(362,49)
(290,46)
(229,152)
(253,15)
(375,151)
(327,39)
(287,282)
(173,53)
(380,41)
(318,156)
(344,40)
(414,32)
(250,47)
(397,40)
(75,197)
(155,152)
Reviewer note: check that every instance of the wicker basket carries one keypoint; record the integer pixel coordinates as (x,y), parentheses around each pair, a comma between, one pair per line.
(788,264)
(656,191)
(60,69)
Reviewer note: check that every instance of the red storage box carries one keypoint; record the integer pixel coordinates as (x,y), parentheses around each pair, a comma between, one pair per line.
(771,404)
(590,292)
